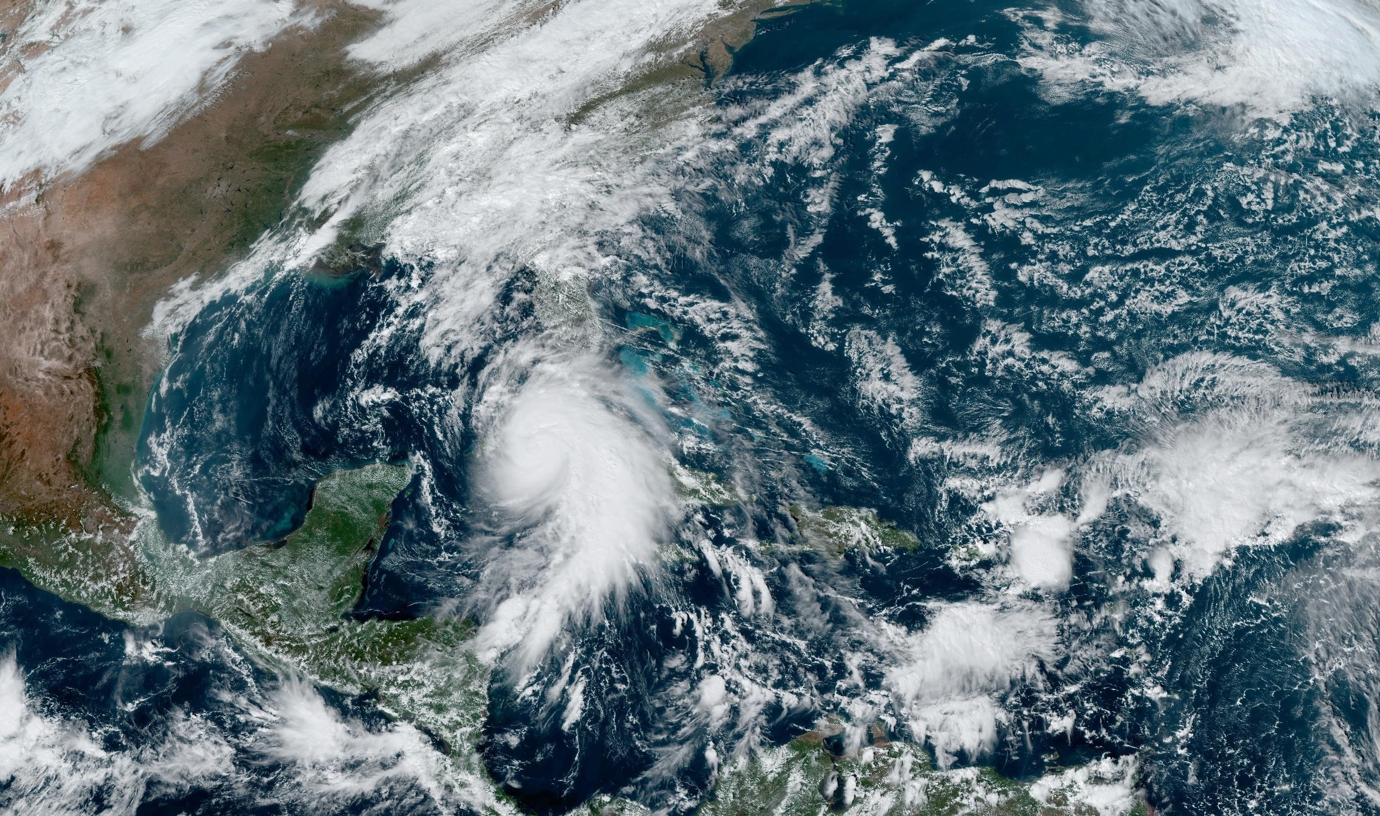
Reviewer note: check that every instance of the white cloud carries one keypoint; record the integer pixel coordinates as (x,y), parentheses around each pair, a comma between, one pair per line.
(1041,542)
(1271,58)
(584,493)
(1232,453)
(336,758)
(951,672)
(107,72)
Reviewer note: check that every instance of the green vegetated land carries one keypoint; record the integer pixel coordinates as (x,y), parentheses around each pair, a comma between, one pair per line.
(888,778)
(288,603)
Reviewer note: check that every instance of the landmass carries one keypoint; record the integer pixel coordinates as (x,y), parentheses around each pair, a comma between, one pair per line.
(85,260)
(87,257)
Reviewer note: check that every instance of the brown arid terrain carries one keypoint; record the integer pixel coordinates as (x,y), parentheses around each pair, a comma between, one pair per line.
(85,258)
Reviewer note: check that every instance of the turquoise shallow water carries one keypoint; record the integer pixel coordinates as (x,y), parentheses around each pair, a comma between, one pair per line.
(1108,359)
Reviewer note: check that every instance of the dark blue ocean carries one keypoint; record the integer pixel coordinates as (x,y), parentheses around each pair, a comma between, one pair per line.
(969,281)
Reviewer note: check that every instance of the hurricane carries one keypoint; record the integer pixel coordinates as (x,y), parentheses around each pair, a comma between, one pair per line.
(689,408)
